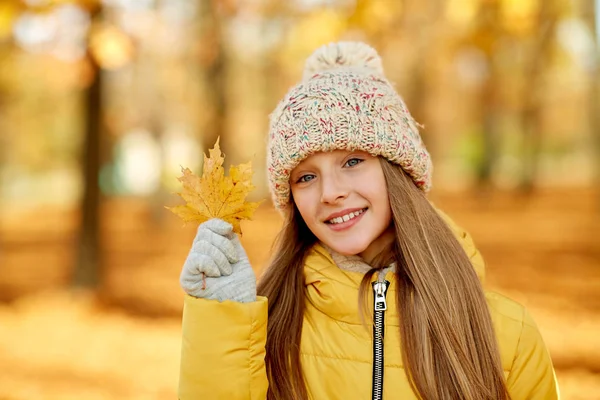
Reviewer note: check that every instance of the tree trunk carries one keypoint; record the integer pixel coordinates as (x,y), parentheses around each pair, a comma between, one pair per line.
(490,33)
(531,112)
(87,271)
(428,21)
(215,79)
(594,99)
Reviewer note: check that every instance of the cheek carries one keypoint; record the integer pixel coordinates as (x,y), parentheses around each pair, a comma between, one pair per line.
(303,202)
(377,193)
(376,189)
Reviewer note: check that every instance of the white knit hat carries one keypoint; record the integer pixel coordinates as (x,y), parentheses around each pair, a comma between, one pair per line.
(344,102)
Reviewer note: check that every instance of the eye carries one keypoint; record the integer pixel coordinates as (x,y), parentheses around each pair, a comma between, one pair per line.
(305,178)
(353,162)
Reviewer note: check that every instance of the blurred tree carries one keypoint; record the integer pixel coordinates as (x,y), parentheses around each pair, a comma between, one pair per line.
(87,271)
(592,15)
(486,35)
(377,19)
(427,18)
(9,11)
(213,63)
(531,113)
(271,66)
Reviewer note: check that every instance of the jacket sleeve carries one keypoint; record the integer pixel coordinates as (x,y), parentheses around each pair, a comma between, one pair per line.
(223,350)
(532,376)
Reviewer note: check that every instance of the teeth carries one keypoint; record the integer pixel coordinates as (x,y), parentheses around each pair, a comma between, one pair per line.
(347,217)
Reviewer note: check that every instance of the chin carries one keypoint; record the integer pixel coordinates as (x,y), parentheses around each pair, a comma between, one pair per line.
(348,249)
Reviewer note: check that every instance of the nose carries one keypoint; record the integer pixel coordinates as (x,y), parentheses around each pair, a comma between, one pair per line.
(333,189)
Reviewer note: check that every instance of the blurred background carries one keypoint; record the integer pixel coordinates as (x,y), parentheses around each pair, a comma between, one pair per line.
(103,102)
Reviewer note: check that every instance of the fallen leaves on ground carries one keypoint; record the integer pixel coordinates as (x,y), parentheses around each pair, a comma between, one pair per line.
(61,346)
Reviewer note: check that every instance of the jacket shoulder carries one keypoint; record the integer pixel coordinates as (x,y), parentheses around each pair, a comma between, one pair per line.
(525,358)
(506,308)
(508,317)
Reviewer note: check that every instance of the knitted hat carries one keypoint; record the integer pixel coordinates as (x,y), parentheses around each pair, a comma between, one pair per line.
(344,102)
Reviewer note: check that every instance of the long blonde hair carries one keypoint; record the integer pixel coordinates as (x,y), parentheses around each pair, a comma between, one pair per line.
(449,348)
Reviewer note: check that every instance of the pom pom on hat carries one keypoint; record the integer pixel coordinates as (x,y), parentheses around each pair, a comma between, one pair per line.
(343,54)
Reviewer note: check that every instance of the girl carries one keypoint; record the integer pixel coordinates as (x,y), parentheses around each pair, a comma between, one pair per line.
(371,292)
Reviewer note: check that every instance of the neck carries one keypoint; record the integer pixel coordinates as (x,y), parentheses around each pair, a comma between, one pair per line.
(378,245)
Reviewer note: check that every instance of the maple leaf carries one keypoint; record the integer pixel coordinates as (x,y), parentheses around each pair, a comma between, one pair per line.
(214,195)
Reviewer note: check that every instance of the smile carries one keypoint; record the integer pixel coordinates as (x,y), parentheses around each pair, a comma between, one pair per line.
(346,218)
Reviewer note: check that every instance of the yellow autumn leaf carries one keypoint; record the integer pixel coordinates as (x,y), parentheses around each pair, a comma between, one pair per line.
(214,195)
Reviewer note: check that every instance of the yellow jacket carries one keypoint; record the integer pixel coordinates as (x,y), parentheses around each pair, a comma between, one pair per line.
(223,346)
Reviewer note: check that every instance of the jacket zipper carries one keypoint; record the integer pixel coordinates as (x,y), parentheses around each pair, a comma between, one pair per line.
(380,288)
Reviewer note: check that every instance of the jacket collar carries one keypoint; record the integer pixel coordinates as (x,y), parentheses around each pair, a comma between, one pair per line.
(334,291)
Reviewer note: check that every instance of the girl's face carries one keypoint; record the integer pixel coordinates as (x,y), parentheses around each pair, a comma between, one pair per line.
(343,199)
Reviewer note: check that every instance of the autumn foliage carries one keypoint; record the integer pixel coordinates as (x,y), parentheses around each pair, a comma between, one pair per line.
(214,195)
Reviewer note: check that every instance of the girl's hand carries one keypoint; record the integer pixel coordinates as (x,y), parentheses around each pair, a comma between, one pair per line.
(217,267)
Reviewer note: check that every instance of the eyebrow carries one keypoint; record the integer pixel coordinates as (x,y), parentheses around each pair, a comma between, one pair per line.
(294,175)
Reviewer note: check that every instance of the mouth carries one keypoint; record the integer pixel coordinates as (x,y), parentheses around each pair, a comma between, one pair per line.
(347,216)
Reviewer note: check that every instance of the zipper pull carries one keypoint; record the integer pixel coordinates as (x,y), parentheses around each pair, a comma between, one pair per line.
(380,289)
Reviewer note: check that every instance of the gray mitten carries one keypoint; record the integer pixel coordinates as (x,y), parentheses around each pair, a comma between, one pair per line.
(217,267)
